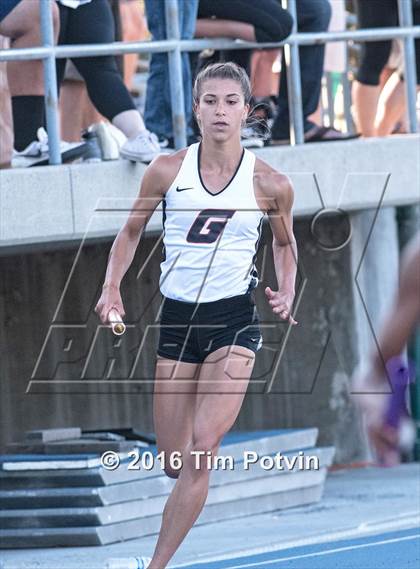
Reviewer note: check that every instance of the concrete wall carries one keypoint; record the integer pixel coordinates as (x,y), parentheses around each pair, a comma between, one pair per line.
(59,369)
(50,334)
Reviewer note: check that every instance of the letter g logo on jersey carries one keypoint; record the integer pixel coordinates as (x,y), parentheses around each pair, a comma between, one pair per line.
(208,225)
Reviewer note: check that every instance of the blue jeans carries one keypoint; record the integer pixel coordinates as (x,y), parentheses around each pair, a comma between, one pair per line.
(312,16)
(158,110)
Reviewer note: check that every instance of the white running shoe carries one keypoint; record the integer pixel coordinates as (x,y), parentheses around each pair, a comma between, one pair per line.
(142,148)
(37,152)
(128,563)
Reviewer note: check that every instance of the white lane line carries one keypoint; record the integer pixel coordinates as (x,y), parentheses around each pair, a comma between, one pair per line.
(409,520)
(325,552)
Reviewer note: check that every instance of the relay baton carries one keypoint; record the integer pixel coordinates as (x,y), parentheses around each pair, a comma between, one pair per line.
(117,324)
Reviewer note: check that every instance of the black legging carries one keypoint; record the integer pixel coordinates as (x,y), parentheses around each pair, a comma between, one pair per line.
(93,23)
(375,54)
(271,22)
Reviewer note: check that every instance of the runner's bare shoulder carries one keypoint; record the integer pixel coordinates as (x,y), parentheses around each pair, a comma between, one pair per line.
(164,169)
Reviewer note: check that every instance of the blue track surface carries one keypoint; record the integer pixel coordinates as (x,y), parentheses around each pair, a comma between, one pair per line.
(392,550)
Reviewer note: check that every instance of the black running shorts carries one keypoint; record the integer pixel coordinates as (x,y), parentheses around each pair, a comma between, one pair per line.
(189,332)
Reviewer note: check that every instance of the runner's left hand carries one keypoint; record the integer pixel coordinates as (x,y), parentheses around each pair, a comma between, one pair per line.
(281,304)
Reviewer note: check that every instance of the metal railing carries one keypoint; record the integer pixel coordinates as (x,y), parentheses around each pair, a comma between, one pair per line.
(174,47)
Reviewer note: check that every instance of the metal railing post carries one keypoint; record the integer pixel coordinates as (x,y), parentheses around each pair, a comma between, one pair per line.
(347,95)
(50,84)
(406,19)
(175,75)
(291,54)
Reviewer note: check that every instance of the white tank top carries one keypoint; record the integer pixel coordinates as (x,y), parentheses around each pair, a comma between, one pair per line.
(210,240)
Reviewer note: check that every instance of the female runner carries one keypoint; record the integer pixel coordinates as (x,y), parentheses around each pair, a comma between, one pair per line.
(215,195)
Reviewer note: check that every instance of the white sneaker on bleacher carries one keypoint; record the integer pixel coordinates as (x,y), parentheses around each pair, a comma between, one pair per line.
(142,148)
(37,152)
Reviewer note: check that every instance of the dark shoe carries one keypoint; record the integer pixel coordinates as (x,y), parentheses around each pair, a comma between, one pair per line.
(327,134)
(317,134)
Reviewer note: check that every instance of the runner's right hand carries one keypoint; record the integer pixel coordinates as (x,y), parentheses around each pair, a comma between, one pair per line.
(110,298)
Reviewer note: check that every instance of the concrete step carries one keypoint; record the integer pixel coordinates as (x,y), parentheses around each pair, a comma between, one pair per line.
(146,488)
(48,435)
(79,446)
(237,493)
(58,471)
(140,527)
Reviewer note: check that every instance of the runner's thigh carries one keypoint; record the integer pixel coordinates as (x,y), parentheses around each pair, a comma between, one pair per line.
(174,399)
(222,385)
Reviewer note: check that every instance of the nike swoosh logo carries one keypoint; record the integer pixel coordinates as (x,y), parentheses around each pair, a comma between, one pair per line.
(178,189)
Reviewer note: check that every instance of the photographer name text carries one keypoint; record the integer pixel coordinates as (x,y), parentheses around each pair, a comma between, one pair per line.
(147,460)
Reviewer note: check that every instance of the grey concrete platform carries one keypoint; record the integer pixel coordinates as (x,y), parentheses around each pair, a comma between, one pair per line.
(140,489)
(88,515)
(227,496)
(147,526)
(356,502)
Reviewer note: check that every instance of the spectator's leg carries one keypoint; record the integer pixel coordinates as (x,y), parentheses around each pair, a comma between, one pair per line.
(312,17)
(391,107)
(104,83)
(76,109)
(218,27)
(188,19)
(25,78)
(270,22)
(365,103)
(158,110)
(221,19)
(366,88)
(393,97)
(261,77)
(261,21)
